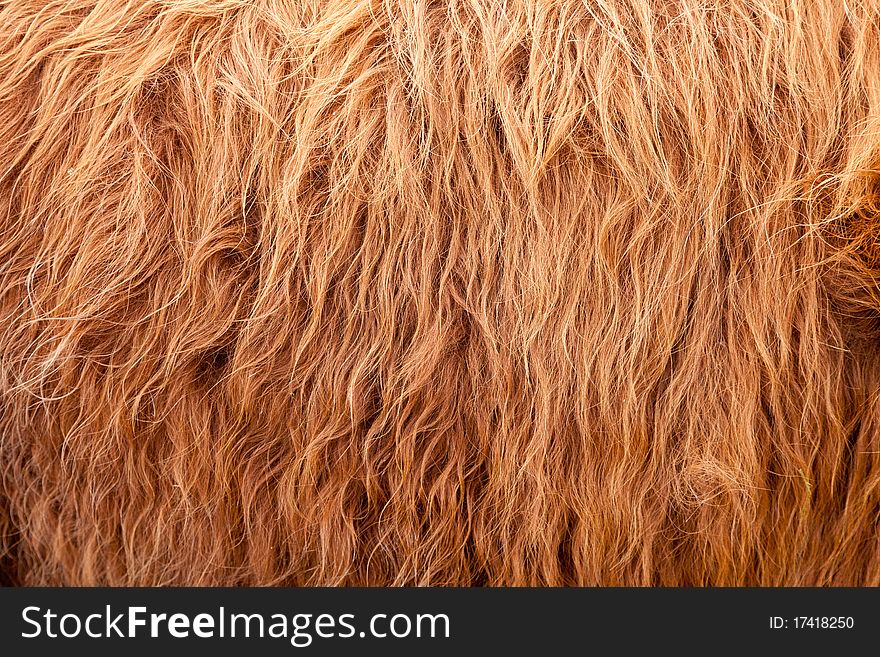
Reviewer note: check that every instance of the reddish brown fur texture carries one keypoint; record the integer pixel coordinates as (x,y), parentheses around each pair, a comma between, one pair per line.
(460,292)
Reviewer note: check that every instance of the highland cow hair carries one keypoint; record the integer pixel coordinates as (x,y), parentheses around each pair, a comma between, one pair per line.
(454,292)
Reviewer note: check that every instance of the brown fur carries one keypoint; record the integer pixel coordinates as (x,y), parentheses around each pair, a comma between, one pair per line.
(460,292)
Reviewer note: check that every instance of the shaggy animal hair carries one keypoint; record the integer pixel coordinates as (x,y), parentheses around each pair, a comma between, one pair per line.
(459,292)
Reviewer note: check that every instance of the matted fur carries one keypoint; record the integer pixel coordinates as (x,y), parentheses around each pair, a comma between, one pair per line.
(450,292)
